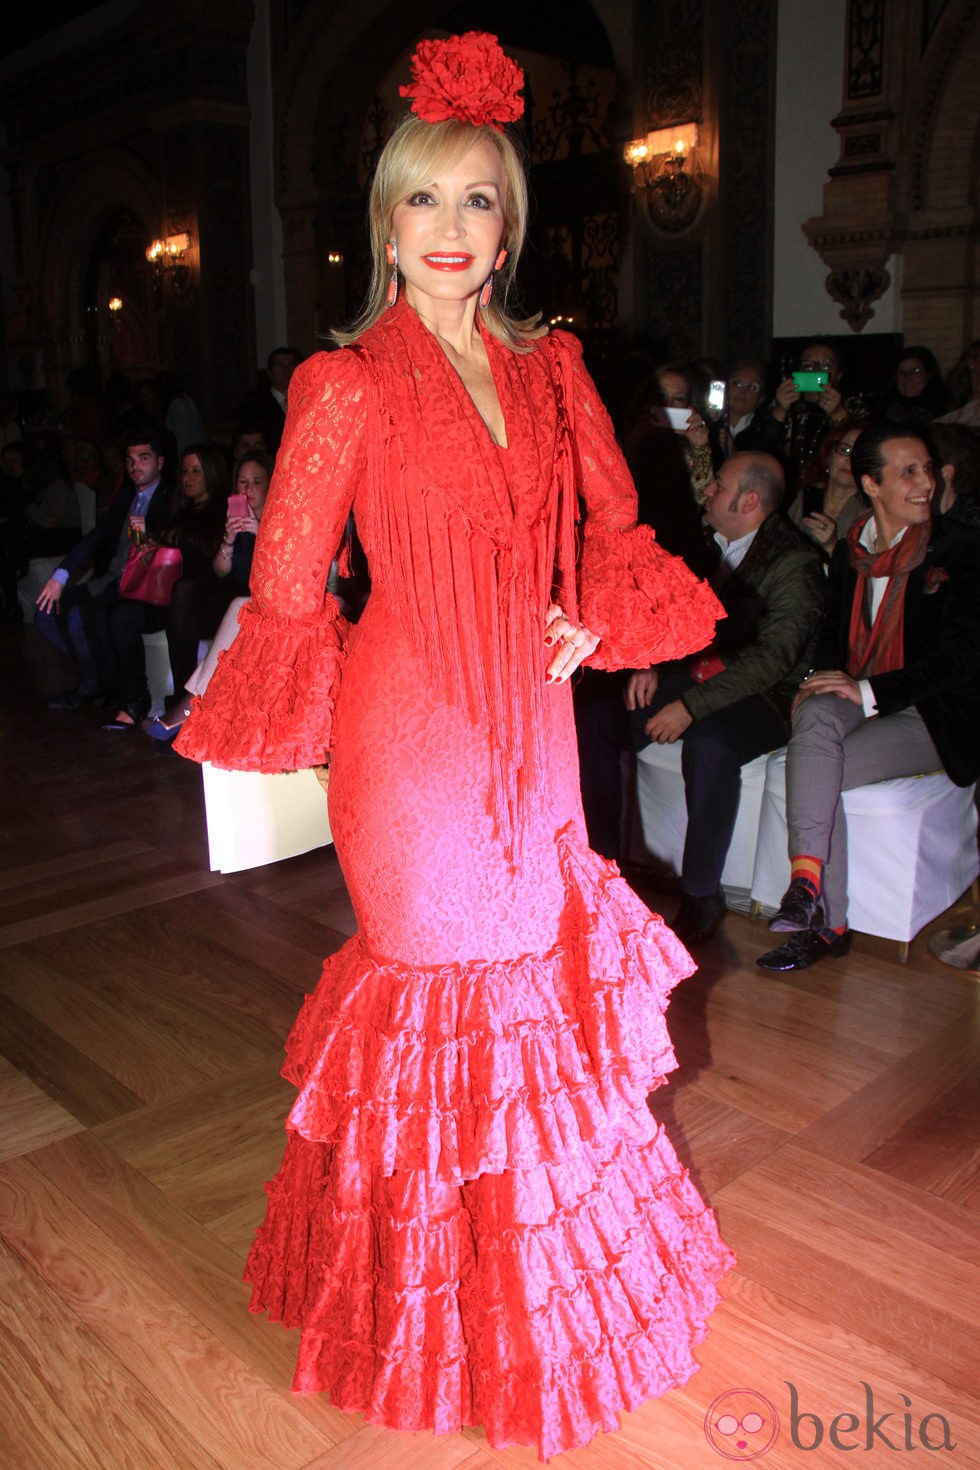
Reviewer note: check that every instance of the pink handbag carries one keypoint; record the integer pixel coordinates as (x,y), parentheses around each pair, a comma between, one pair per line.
(150,573)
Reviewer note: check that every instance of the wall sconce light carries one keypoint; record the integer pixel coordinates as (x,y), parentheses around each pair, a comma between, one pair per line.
(665,168)
(115,305)
(334,257)
(169,265)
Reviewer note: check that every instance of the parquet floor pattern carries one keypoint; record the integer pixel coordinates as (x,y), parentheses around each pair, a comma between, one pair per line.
(832,1119)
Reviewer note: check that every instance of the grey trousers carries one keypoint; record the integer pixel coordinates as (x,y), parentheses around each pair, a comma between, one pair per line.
(833,748)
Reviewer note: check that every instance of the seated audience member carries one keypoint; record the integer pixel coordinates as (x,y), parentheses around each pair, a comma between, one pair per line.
(233,567)
(917,394)
(829,501)
(86,471)
(52,517)
(199,598)
(794,423)
(957,453)
(730,703)
(745,396)
(73,615)
(896,690)
(677,390)
(195,531)
(965,381)
(233,559)
(660,460)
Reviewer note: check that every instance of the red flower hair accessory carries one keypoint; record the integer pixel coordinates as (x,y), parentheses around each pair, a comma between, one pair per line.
(467,78)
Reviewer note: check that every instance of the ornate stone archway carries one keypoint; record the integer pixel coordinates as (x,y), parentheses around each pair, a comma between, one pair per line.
(108,189)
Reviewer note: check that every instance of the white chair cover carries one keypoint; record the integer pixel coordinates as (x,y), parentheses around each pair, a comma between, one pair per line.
(911,842)
(663,813)
(255,819)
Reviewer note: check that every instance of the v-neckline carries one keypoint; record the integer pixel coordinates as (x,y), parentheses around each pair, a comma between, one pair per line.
(466,392)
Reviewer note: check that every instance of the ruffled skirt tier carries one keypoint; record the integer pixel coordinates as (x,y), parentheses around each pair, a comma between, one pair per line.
(477,1219)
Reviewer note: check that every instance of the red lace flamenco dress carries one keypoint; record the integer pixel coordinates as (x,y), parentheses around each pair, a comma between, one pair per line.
(477,1219)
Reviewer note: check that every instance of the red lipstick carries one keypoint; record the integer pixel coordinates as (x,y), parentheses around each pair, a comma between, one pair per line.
(449,261)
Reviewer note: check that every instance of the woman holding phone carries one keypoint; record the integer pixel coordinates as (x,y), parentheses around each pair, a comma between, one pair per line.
(218,621)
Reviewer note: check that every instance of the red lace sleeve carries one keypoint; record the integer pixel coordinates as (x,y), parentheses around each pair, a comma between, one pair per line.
(646,605)
(269,706)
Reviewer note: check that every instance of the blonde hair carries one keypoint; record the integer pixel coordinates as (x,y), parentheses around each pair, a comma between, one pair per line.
(415,154)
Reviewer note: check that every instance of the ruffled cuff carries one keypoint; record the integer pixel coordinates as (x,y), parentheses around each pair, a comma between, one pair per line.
(269,706)
(647,606)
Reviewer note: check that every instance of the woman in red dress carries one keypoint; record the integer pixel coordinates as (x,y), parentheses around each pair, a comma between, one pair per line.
(477,1219)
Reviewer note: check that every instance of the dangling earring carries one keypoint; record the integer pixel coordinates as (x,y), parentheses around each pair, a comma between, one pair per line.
(391,253)
(487,291)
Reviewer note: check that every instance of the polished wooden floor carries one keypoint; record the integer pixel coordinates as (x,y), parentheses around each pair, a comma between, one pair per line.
(831,1119)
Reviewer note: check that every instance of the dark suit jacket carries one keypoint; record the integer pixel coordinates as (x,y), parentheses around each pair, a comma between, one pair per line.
(941,673)
(97,549)
(774,601)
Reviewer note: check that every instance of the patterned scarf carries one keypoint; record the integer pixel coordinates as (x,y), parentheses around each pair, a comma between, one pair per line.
(878,647)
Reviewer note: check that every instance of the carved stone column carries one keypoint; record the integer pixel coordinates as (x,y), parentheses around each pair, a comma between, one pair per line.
(858,230)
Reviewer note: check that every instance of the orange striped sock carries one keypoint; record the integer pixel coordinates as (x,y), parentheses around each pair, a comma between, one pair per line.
(806,870)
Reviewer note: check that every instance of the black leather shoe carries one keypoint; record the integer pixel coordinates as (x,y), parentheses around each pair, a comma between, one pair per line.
(75,698)
(799,908)
(698,918)
(804,949)
(127,717)
(71,699)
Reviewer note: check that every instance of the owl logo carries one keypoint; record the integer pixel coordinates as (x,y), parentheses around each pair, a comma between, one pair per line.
(741,1424)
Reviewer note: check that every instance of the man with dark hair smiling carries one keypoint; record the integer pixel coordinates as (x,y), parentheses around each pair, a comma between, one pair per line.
(896,691)
(71,614)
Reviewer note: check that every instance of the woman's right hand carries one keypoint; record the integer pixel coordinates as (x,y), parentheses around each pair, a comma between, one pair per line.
(235,525)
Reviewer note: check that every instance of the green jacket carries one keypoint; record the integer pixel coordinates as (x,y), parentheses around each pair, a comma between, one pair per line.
(774,602)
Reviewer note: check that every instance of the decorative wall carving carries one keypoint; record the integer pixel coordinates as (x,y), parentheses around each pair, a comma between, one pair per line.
(856,289)
(673,44)
(866,48)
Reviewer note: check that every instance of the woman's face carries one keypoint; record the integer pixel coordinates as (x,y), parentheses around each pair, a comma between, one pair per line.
(449,232)
(253,483)
(910,377)
(676,393)
(192,481)
(839,473)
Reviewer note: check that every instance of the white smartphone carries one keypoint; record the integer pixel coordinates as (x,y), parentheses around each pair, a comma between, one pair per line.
(716,396)
(677,418)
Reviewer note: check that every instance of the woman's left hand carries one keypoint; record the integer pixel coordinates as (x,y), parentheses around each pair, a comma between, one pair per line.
(574,644)
(823,530)
(696,432)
